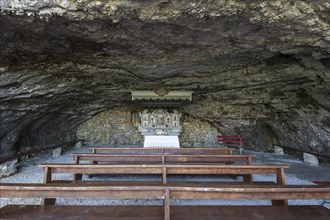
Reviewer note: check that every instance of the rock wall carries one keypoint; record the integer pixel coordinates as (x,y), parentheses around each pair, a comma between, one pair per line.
(112,127)
(198,133)
(260,69)
(119,126)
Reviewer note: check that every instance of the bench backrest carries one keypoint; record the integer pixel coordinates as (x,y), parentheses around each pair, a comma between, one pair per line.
(251,192)
(232,141)
(185,151)
(162,159)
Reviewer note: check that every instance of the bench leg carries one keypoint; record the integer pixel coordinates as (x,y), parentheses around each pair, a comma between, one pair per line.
(248,178)
(280,202)
(48,179)
(280,178)
(164,177)
(49,201)
(77,176)
(166,204)
(92,162)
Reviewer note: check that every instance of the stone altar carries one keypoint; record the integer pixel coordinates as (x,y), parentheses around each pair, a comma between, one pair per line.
(160,141)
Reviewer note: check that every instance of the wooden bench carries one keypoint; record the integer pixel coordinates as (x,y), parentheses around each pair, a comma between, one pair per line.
(232,141)
(161,159)
(246,171)
(166,193)
(163,151)
(165,169)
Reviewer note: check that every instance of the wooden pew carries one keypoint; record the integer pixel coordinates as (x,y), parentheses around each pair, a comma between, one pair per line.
(165,169)
(161,159)
(181,151)
(232,141)
(246,171)
(167,193)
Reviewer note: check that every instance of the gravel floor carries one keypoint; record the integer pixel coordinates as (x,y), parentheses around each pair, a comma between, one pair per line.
(298,174)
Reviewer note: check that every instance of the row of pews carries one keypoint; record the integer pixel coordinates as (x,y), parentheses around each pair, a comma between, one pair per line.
(164,163)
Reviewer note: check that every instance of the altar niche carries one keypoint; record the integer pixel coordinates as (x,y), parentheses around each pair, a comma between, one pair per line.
(160,122)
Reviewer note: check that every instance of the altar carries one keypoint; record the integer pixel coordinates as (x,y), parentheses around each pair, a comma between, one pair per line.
(160,141)
(160,128)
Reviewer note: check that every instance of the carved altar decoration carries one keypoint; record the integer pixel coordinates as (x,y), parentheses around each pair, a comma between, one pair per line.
(160,122)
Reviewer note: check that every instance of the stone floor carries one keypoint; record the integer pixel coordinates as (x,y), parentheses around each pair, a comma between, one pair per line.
(298,173)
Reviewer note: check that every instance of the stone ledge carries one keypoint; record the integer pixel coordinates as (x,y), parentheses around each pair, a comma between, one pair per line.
(311,159)
(278,150)
(8,168)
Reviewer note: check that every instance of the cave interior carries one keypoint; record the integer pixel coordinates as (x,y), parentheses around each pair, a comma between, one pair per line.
(259,69)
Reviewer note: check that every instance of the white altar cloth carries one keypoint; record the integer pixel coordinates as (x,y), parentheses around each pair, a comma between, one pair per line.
(160,141)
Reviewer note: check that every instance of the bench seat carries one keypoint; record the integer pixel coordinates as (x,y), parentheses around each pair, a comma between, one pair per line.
(37,212)
(171,183)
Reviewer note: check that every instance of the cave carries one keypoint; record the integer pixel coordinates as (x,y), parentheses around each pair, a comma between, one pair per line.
(258,69)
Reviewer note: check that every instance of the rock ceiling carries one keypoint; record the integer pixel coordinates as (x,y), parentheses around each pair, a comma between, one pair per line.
(258,68)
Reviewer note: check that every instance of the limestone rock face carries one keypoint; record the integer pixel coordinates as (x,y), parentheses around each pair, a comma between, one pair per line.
(120,126)
(257,68)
